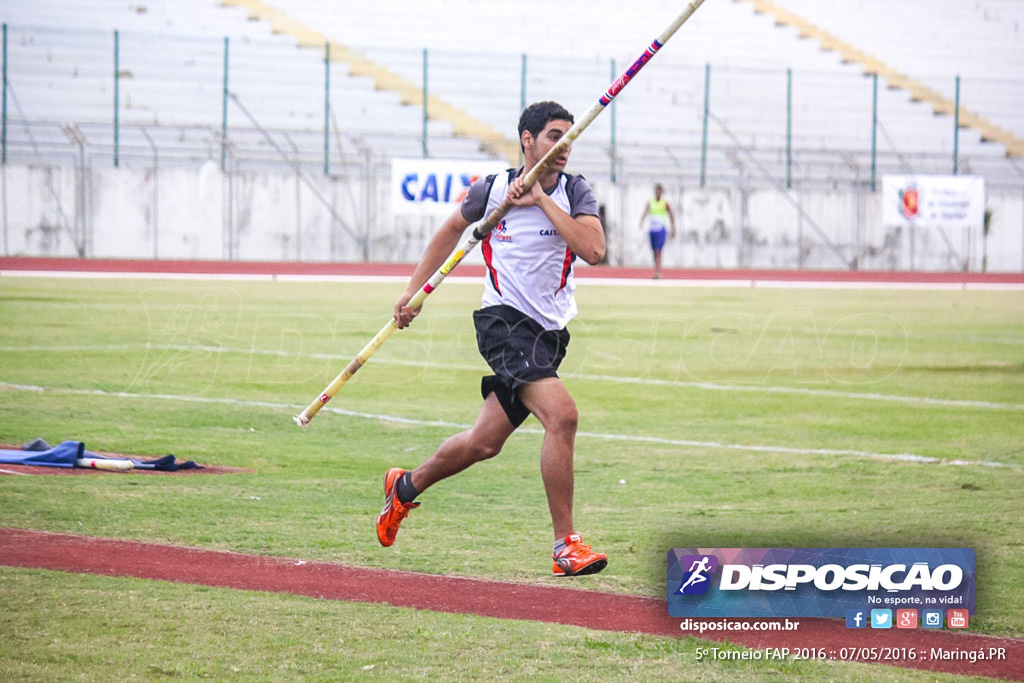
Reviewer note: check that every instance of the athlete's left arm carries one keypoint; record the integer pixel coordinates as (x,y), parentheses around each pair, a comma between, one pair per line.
(583,234)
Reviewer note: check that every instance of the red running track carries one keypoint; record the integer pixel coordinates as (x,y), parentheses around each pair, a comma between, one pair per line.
(554,604)
(272,268)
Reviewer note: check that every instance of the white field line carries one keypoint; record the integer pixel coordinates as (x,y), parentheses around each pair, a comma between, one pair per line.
(861,396)
(649,381)
(685,443)
(581,278)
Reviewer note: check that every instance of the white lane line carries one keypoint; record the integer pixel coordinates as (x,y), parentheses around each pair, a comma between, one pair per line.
(20,474)
(649,381)
(861,396)
(582,278)
(686,443)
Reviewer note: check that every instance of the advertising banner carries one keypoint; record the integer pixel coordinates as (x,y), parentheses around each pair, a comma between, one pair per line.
(434,187)
(933,201)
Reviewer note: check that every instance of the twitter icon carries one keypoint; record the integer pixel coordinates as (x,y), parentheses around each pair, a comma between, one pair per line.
(881,618)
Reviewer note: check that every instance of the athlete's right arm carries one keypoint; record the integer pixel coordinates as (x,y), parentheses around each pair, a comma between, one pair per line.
(439,248)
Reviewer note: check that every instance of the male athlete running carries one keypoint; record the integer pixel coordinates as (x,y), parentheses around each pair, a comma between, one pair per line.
(528,300)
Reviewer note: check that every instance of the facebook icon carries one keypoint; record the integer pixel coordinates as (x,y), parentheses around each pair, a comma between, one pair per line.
(856,618)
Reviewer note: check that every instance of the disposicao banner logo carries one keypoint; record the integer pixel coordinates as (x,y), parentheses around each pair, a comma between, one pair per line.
(817,582)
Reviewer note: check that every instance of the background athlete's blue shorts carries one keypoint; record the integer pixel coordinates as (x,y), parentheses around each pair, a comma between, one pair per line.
(658,239)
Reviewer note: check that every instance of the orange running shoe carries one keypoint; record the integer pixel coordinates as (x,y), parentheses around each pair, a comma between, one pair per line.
(577,559)
(394,511)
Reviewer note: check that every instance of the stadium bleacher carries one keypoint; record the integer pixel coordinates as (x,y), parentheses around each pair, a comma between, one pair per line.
(786,101)
(172,61)
(979,41)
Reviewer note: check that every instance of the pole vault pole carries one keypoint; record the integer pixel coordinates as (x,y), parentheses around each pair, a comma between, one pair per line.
(483,227)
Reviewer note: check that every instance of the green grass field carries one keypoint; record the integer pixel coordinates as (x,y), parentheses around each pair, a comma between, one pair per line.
(717,417)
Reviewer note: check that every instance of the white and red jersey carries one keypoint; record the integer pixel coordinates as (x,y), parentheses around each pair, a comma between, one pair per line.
(529,265)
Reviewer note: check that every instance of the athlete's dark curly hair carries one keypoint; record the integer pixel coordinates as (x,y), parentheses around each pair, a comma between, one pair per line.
(538,114)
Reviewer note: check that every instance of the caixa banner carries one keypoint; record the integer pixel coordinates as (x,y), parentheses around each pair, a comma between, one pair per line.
(434,187)
(817,582)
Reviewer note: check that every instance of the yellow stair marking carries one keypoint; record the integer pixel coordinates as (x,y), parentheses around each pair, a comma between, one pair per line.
(918,92)
(383,79)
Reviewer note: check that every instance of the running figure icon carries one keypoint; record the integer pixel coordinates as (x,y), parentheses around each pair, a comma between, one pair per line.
(697,571)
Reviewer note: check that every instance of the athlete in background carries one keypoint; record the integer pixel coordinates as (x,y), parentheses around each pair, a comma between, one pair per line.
(528,300)
(656,212)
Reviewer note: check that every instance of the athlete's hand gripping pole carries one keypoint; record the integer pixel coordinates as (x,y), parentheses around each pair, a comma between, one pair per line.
(483,227)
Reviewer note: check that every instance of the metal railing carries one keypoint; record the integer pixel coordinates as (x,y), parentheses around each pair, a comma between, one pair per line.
(162,80)
(91,100)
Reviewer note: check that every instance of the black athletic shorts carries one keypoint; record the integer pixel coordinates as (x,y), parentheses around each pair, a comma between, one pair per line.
(519,351)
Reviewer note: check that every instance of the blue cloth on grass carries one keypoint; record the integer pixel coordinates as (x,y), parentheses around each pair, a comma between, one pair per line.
(68,453)
(64,454)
